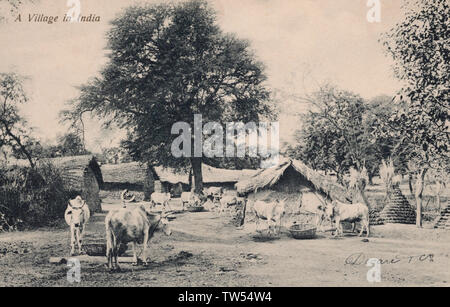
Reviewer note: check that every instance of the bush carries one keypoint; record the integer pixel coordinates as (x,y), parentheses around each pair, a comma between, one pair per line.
(31,197)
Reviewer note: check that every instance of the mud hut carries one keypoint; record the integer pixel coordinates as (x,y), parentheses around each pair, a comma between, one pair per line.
(83,176)
(303,188)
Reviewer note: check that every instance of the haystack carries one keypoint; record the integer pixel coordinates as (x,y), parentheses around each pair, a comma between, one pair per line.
(443,220)
(398,210)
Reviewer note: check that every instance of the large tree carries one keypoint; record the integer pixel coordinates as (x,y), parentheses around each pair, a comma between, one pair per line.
(168,62)
(13,131)
(337,132)
(419,45)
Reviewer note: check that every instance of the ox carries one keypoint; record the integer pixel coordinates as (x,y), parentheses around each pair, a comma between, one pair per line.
(230,200)
(271,212)
(214,192)
(339,212)
(77,215)
(190,198)
(132,225)
(160,198)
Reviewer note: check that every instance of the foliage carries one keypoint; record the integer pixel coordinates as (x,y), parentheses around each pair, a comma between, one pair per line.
(31,197)
(13,132)
(338,133)
(420,49)
(168,62)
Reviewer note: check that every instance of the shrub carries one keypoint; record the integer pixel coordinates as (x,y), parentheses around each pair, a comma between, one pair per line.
(31,197)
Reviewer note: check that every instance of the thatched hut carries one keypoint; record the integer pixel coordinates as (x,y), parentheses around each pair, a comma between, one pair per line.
(304,189)
(82,175)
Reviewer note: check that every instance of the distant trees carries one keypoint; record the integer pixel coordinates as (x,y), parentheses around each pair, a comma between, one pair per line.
(419,46)
(338,132)
(168,62)
(13,130)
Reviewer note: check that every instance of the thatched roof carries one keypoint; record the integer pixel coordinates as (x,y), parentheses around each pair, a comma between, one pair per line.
(269,177)
(134,172)
(72,168)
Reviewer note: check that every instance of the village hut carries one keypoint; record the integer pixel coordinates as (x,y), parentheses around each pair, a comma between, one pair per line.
(304,189)
(82,175)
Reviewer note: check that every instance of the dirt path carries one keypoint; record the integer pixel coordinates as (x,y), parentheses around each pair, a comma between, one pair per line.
(204,250)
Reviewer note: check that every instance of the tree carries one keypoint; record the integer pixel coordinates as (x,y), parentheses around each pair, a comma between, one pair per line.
(420,49)
(12,125)
(70,144)
(168,62)
(336,133)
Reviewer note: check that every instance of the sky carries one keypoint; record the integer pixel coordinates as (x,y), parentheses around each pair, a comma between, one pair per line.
(301,42)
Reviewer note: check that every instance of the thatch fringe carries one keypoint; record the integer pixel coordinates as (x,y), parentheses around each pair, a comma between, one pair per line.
(269,177)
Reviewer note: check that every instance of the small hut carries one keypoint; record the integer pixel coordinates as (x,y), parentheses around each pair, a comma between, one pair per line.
(303,188)
(82,175)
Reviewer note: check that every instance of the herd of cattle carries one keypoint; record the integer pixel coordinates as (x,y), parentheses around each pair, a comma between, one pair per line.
(137,224)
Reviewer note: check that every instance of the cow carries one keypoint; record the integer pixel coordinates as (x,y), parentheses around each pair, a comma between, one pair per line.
(271,212)
(160,198)
(191,198)
(77,215)
(214,192)
(134,225)
(339,212)
(230,200)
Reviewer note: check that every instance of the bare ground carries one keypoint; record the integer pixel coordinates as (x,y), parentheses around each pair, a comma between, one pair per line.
(205,250)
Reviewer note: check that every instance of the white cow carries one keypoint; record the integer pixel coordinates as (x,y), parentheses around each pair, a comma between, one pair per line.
(190,198)
(338,212)
(214,192)
(271,212)
(132,225)
(160,198)
(76,215)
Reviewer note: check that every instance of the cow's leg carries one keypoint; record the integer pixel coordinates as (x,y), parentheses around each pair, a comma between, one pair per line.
(135,258)
(72,240)
(108,250)
(115,252)
(353,227)
(80,238)
(144,247)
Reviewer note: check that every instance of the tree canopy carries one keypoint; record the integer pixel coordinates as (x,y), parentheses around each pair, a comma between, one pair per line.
(168,62)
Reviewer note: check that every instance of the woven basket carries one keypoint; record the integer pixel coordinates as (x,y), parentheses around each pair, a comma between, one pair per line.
(194,208)
(303,231)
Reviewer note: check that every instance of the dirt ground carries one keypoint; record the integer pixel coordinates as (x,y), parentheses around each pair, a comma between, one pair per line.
(205,250)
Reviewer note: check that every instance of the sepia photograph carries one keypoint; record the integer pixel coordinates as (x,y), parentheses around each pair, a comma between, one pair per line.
(236,145)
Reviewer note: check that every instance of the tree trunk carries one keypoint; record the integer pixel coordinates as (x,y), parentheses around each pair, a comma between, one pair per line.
(198,176)
(149,183)
(438,195)
(420,185)
(410,180)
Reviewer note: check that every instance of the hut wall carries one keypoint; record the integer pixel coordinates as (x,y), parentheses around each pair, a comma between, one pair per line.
(90,190)
(297,191)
